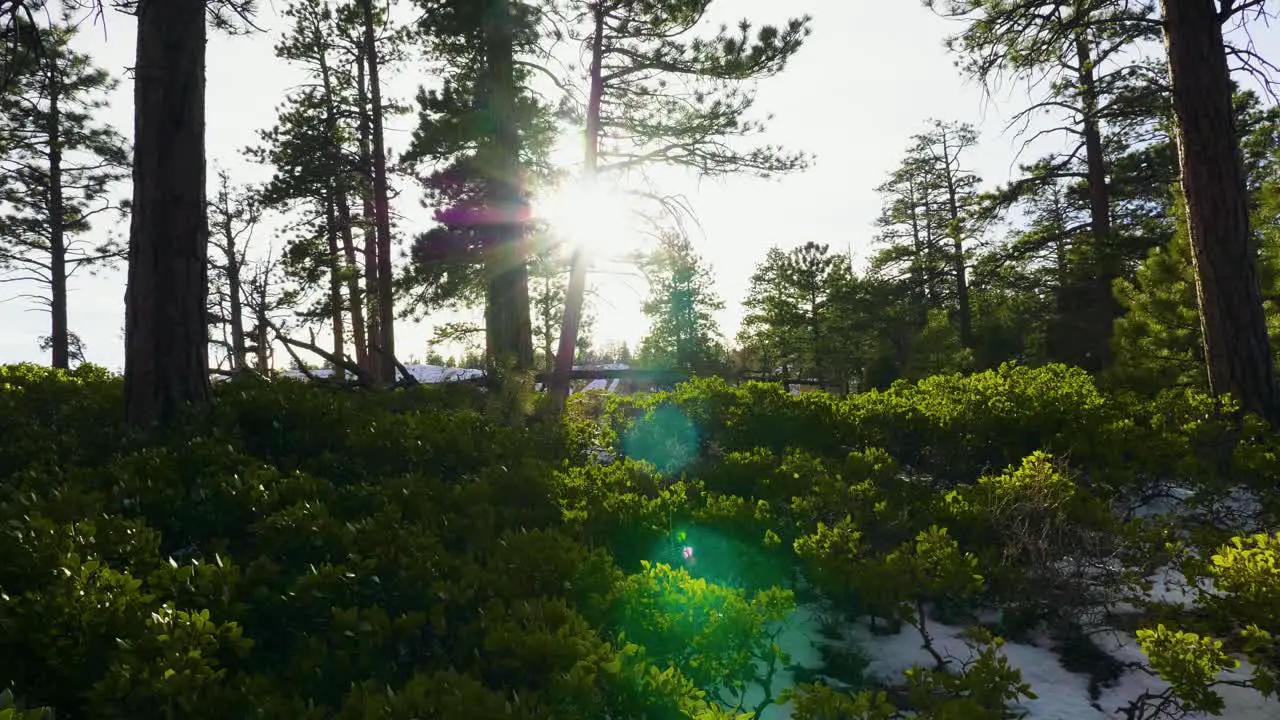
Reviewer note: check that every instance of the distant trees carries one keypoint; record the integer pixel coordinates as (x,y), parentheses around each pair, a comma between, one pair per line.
(1076,56)
(929,220)
(681,307)
(331,176)
(790,311)
(548,270)
(234,213)
(58,175)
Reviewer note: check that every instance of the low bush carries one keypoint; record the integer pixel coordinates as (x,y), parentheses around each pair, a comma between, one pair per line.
(297,551)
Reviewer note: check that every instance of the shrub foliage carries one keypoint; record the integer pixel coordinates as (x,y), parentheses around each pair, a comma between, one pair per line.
(296,551)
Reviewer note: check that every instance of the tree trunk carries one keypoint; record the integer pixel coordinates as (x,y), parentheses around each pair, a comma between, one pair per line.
(261,338)
(238,360)
(371,294)
(576,294)
(335,284)
(385,359)
(59,335)
(957,240)
(342,207)
(166,335)
(1098,317)
(1232,322)
(919,262)
(355,296)
(508,329)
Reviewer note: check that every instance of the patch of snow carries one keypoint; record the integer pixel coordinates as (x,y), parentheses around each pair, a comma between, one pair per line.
(1061,694)
(426,374)
(1241,703)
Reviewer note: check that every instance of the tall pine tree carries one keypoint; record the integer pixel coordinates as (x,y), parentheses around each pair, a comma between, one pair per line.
(58,174)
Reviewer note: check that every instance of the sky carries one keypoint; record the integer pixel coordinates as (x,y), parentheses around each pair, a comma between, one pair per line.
(868,78)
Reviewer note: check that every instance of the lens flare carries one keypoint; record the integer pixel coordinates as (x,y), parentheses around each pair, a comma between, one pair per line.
(590,216)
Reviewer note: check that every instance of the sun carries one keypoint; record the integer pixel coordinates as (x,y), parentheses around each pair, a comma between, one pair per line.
(591,216)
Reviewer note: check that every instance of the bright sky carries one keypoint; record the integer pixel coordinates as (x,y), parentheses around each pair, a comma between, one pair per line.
(867,79)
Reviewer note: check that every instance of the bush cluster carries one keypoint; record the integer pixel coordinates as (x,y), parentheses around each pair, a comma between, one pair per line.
(296,551)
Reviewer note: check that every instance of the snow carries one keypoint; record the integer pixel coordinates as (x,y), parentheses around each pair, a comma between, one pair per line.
(1061,694)
(431,374)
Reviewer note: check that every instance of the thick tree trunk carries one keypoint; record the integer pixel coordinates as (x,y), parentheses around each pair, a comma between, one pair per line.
(508,329)
(59,336)
(385,359)
(1232,322)
(1098,318)
(166,334)
(371,294)
(577,291)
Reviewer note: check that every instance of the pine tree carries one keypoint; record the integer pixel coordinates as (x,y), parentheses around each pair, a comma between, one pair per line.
(1158,341)
(166,337)
(929,221)
(58,174)
(1079,53)
(681,307)
(322,151)
(1233,324)
(912,233)
(788,307)
(233,215)
(483,137)
(659,95)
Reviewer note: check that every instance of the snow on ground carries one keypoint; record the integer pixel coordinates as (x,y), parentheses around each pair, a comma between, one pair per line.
(1061,694)
(429,374)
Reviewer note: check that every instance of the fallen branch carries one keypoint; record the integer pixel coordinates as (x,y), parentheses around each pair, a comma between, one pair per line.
(409,379)
(362,377)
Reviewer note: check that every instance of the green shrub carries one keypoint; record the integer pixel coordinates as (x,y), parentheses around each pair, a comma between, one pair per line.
(295,551)
(299,551)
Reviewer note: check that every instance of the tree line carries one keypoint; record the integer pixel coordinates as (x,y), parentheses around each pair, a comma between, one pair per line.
(1143,249)
(657,92)
(1133,250)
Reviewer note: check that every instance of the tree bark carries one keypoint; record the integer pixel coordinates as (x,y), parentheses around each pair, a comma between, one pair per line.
(335,282)
(342,207)
(261,323)
(385,359)
(371,294)
(355,296)
(166,337)
(59,335)
(576,294)
(238,353)
(957,241)
(1100,315)
(1234,328)
(508,328)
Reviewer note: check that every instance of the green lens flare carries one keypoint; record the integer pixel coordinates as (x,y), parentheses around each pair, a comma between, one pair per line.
(665,437)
